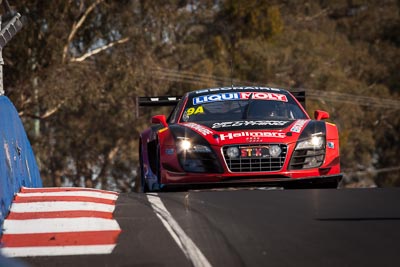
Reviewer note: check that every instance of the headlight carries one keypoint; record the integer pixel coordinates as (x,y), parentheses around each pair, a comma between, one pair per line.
(201,149)
(309,153)
(314,142)
(195,157)
(184,145)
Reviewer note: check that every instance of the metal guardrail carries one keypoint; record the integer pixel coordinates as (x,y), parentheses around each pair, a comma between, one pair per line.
(10,29)
(7,31)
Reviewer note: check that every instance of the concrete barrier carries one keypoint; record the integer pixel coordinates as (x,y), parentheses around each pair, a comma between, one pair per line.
(17,162)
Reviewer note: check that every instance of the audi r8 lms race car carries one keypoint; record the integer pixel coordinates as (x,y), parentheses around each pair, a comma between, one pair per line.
(238,136)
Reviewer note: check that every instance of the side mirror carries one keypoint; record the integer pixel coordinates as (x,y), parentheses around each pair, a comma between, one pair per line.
(321,115)
(159,119)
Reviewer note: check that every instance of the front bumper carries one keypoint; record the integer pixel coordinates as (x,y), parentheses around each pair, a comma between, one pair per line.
(329,181)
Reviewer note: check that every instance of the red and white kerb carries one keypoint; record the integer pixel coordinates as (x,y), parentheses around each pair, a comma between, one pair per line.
(60,221)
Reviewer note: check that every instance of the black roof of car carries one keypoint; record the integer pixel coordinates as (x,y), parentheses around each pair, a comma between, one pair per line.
(235,88)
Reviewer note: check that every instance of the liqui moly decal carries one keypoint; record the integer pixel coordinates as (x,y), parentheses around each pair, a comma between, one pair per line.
(298,126)
(263,96)
(230,136)
(238,96)
(225,124)
(198,128)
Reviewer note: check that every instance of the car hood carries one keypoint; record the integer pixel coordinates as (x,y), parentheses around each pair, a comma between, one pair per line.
(248,125)
(249,131)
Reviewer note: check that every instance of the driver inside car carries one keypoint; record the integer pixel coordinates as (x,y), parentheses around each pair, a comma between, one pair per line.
(261,110)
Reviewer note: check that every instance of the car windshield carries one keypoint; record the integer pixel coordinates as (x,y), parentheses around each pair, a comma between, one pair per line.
(249,109)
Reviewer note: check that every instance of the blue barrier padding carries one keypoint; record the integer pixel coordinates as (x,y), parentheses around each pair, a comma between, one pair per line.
(17,162)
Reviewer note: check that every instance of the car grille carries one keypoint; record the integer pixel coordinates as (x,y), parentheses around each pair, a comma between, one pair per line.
(253,163)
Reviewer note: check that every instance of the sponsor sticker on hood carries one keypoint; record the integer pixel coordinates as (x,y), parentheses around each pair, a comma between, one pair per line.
(247,125)
(198,128)
(254,134)
(228,124)
(298,126)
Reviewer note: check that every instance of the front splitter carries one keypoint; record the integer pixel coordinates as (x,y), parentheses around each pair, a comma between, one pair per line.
(331,181)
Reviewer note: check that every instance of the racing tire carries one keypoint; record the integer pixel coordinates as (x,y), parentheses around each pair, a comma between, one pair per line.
(157,186)
(140,184)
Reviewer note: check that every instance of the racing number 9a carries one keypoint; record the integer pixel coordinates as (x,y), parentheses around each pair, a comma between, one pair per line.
(194,111)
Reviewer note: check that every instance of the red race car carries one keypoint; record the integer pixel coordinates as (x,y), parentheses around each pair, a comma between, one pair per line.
(238,136)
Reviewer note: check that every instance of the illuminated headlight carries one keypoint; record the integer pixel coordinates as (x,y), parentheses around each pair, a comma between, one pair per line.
(196,156)
(232,152)
(201,149)
(309,153)
(315,142)
(184,145)
(275,151)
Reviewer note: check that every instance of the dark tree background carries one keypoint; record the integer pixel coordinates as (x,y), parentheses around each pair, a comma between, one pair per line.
(74,71)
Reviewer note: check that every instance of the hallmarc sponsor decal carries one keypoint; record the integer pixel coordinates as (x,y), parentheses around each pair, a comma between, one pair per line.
(226,124)
(296,128)
(238,96)
(198,128)
(234,135)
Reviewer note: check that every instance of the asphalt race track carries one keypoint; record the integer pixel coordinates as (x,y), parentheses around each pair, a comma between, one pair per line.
(257,227)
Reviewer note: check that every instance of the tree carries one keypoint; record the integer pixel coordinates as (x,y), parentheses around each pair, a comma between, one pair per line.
(75,69)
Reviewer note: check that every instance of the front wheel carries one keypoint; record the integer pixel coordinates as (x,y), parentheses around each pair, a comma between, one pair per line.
(157,186)
(140,184)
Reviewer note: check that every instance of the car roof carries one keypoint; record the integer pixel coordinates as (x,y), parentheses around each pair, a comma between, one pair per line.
(235,89)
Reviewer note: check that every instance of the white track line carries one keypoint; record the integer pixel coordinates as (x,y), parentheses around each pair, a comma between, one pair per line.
(60,206)
(188,247)
(56,251)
